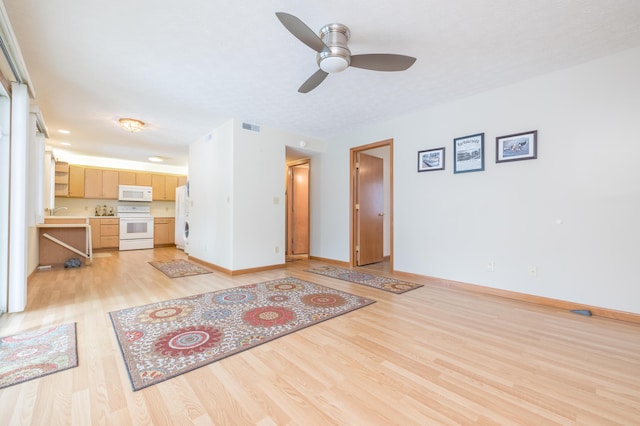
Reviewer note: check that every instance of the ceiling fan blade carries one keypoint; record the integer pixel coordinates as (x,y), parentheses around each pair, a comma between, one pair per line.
(301,31)
(382,62)
(313,81)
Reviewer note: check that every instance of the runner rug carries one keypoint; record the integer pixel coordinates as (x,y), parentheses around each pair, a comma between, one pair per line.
(177,268)
(30,355)
(163,340)
(383,283)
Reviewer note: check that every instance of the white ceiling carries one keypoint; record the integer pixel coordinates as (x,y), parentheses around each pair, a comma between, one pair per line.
(185,67)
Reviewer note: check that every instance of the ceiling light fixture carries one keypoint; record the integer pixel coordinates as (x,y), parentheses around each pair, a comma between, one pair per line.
(131,124)
(65,144)
(64,132)
(156,159)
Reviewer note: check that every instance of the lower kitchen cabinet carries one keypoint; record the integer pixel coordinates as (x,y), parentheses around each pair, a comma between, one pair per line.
(164,231)
(105,233)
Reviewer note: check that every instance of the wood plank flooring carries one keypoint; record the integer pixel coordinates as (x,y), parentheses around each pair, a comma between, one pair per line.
(429,356)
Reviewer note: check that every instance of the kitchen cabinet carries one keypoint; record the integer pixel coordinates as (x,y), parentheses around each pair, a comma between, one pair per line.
(164,231)
(76,182)
(182,180)
(134,178)
(105,232)
(126,178)
(69,180)
(101,183)
(164,187)
(143,179)
(61,179)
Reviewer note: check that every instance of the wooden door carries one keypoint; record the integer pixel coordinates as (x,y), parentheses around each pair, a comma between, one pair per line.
(298,209)
(369,210)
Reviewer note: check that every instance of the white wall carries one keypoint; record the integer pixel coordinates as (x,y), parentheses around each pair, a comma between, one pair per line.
(210,197)
(237,215)
(572,213)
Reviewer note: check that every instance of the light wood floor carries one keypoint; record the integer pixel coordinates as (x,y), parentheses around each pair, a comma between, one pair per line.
(430,356)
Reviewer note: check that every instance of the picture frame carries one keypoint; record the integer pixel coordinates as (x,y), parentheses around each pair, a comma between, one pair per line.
(468,153)
(516,147)
(431,160)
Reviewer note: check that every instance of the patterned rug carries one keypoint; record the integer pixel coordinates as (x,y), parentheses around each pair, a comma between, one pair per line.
(383,283)
(176,268)
(163,340)
(34,354)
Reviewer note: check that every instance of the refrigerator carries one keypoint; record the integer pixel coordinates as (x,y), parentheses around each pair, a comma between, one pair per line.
(181,217)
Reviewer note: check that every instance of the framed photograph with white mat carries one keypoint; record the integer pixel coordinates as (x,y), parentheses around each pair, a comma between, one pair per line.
(468,153)
(519,146)
(430,160)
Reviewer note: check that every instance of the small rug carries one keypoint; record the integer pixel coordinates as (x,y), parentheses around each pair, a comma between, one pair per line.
(163,340)
(30,355)
(383,283)
(177,268)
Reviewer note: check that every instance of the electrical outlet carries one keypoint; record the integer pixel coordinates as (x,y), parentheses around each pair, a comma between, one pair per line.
(533,271)
(491,266)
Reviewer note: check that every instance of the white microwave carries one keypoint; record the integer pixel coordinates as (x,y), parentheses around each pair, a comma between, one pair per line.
(134,193)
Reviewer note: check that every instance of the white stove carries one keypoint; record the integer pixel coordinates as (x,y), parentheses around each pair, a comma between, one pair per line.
(136,227)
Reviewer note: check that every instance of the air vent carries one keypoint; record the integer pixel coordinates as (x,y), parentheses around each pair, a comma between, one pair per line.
(252,127)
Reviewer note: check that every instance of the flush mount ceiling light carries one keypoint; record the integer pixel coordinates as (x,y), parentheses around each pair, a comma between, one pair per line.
(131,124)
(156,159)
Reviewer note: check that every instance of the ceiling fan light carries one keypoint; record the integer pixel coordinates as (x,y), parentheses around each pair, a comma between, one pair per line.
(333,64)
(131,124)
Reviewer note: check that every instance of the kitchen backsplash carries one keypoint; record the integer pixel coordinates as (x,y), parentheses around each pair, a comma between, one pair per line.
(87,206)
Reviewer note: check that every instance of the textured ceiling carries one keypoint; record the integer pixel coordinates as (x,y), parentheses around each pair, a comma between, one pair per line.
(185,67)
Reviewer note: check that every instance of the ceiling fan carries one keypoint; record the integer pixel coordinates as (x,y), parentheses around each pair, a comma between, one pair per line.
(334,55)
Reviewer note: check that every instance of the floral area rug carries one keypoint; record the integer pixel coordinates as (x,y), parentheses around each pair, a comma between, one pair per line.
(163,340)
(177,268)
(383,283)
(30,355)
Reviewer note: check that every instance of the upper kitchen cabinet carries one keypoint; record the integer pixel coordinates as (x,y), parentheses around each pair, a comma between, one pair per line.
(99,183)
(134,178)
(127,178)
(69,180)
(164,187)
(76,181)
(182,180)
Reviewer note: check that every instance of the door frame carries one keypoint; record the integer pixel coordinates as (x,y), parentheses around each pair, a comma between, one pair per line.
(353,153)
(290,165)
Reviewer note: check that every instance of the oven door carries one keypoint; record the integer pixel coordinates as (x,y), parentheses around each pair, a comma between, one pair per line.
(136,228)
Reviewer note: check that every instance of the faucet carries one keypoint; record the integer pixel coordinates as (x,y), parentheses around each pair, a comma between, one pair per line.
(53,211)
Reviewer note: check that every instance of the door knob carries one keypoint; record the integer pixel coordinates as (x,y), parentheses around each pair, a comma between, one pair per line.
(380,214)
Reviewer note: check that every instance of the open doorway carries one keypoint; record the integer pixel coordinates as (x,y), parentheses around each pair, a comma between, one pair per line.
(372,205)
(298,223)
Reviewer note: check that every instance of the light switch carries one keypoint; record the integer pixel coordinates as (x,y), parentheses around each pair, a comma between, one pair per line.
(276,200)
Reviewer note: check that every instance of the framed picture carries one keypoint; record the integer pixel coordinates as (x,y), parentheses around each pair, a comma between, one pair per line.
(521,146)
(431,160)
(468,153)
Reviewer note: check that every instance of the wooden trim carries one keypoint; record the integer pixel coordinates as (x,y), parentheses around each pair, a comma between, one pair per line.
(332,261)
(523,297)
(236,272)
